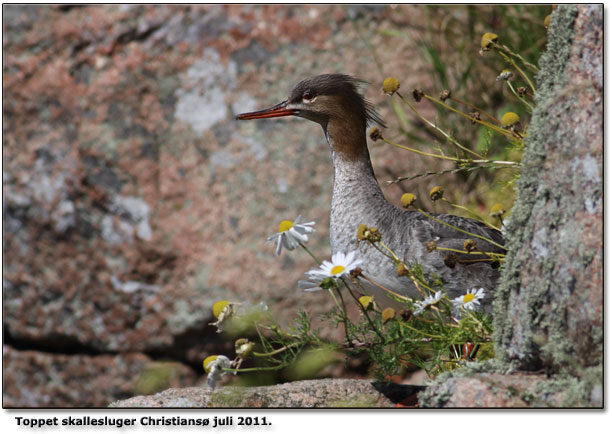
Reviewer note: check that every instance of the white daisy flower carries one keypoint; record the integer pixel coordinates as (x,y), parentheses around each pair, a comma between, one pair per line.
(341,265)
(470,300)
(429,300)
(214,365)
(291,234)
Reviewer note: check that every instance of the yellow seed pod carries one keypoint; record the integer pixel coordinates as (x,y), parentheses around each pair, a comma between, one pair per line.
(509,119)
(547,21)
(388,314)
(497,210)
(390,85)
(407,199)
(219,307)
(207,361)
(436,193)
(361,232)
(487,40)
(366,301)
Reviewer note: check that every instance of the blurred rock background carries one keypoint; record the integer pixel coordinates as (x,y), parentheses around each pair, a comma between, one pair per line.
(132,200)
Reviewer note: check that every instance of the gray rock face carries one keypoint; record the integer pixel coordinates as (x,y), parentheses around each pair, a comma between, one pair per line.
(548,314)
(554,277)
(335,393)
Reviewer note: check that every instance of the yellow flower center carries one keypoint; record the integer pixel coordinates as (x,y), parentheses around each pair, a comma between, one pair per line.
(219,307)
(468,297)
(285,225)
(337,269)
(207,361)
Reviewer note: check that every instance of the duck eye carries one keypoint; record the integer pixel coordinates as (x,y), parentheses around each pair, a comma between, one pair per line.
(308,96)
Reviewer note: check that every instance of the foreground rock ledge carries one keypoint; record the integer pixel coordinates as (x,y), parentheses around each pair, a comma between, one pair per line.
(469,389)
(336,393)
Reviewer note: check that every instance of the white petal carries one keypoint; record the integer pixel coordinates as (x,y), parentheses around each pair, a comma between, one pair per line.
(337,257)
(293,232)
(317,274)
(318,288)
(288,243)
(308,286)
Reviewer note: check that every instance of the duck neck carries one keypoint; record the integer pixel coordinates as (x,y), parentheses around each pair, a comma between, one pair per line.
(356,197)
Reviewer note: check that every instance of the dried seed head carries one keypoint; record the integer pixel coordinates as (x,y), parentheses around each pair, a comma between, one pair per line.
(431,246)
(375,134)
(375,235)
(407,199)
(450,260)
(521,91)
(469,245)
(445,94)
(243,347)
(475,115)
(369,234)
(417,94)
(356,272)
(487,41)
(390,85)
(509,119)
(406,314)
(497,210)
(436,193)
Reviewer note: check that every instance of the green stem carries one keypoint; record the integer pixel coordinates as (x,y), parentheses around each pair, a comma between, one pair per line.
(464,252)
(443,172)
(364,311)
(277,351)
(473,119)
(310,253)
(472,213)
(518,56)
(518,97)
(438,129)
(493,118)
(342,313)
(259,368)
(515,65)
(460,230)
(420,331)
(457,160)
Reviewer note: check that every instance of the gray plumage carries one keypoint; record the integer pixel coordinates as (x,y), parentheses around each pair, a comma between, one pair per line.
(333,101)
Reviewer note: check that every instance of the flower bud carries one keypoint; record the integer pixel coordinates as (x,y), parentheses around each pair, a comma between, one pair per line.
(390,85)
(407,199)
